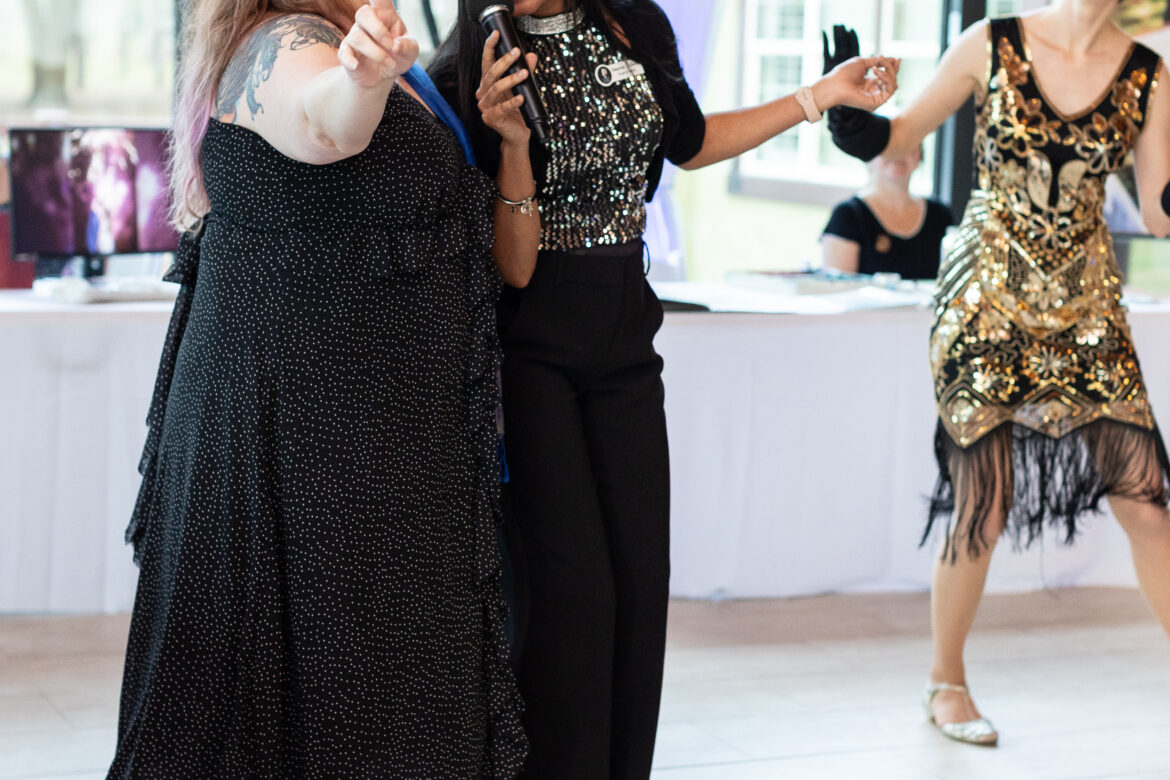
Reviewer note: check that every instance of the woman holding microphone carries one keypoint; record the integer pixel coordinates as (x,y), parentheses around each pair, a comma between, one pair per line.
(319,594)
(583,394)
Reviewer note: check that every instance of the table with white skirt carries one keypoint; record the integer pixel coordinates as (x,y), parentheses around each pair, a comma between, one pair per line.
(801,454)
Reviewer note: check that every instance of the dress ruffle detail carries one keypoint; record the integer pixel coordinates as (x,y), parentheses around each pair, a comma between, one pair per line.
(185,271)
(319,593)
(509,745)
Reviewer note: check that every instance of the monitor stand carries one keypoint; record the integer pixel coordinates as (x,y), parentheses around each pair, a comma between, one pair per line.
(48,267)
(93,266)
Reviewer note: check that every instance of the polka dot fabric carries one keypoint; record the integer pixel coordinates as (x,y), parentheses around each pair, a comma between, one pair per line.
(319,593)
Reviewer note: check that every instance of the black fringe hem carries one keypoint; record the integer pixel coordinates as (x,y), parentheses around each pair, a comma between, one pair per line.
(1052,482)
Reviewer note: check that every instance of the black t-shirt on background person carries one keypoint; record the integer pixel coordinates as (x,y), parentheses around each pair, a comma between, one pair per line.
(914,257)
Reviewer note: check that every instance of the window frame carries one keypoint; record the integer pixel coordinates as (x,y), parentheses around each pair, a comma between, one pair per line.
(808,180)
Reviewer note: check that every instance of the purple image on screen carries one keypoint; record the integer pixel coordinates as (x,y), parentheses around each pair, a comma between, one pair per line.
(41,195)
(90,191)
(155,233)
(103,174)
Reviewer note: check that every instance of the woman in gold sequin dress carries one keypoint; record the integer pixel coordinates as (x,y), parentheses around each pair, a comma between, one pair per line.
(1042,407)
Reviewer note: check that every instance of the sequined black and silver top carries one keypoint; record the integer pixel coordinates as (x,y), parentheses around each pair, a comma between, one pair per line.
(648,29)
(606,128)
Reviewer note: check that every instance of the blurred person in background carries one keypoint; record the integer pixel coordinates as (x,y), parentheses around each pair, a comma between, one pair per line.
(885,228)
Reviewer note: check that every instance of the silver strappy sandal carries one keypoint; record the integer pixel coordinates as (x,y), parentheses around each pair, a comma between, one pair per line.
(973,732)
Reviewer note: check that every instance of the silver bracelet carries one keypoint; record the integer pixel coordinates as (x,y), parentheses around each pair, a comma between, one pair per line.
(525,206)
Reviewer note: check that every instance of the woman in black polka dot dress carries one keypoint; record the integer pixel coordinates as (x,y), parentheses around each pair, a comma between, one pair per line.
(319,594)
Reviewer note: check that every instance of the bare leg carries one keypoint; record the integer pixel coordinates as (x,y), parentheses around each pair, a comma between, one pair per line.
(954,599)
(957,586)
(1130,459)
(1148,528)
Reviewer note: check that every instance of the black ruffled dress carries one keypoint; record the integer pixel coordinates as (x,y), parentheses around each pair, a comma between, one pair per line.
(319,594)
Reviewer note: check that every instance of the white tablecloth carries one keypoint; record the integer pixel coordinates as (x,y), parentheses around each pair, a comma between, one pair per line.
(802,456)
(75,385)
(801,451)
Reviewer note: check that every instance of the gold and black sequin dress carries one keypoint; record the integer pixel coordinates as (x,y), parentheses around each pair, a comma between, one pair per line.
(1042,406)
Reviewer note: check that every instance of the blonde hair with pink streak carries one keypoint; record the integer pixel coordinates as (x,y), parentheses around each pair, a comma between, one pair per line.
(212,31)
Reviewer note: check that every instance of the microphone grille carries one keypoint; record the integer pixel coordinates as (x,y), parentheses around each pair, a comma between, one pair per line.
(476,8)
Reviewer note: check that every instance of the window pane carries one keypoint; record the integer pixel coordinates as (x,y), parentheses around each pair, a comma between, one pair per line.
(914,23)
(113,57)
(861,15)
(1005,7)
(779,76)
(414,17)
(913,77)
(91,57)
(780,19)
(15,45)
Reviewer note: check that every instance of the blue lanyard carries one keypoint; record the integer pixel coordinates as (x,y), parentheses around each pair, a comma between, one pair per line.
(418,79)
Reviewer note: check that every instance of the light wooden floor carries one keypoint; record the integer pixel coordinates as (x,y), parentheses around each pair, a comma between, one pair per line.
(1078,682)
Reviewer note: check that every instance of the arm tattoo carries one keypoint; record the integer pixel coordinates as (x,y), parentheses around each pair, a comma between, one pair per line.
(253,63)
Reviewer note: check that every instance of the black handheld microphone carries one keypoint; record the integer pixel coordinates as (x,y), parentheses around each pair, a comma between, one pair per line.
(496,16)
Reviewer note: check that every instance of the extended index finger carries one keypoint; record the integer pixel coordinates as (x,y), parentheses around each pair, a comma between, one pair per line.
(388,12)
(367,19)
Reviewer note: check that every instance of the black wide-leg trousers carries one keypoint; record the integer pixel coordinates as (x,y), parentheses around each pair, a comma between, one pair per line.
(589,519)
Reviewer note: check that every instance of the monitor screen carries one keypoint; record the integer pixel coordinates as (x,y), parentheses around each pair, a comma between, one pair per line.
(89,191)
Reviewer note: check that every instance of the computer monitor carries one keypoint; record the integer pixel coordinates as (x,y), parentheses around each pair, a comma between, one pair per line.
(89,191)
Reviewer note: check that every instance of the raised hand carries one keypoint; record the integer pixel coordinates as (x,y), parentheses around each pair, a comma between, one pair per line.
(864,82)
(852,80)
(498,106)
(845,46)
(378,48)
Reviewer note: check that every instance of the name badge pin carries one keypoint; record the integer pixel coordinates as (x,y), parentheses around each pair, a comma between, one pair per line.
(608,75)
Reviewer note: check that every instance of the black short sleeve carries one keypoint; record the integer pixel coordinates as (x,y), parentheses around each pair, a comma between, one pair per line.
(692,125)
(650,31)
(652,42)
(846,222)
